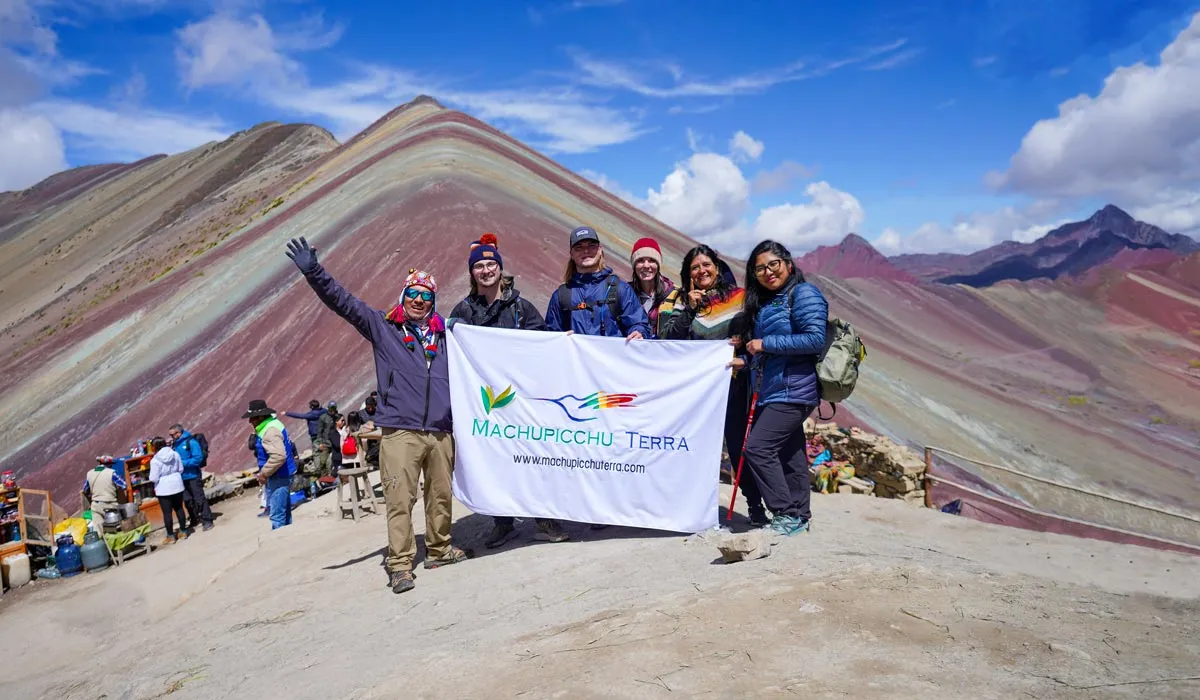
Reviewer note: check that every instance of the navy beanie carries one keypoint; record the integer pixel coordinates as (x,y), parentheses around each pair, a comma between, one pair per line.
(486,248)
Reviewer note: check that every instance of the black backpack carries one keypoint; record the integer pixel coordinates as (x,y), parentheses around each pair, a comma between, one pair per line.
(203,442)
(610,299)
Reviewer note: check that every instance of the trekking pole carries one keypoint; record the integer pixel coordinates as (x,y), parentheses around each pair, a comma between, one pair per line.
(737,478)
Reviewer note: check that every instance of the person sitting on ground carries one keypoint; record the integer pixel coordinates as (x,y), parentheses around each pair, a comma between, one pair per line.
(192,456)
(494,302)
(166,471)
(409,344)
(277,461)
(651,286)
(313,418)
(706,306)
(103,490)
(787,316)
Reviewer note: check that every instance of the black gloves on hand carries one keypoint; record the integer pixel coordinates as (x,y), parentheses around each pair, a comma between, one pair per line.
(301,254)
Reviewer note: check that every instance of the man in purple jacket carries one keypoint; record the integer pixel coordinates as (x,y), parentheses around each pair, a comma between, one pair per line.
(409,344)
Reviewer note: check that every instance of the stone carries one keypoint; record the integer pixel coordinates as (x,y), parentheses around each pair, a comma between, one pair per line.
(746,546)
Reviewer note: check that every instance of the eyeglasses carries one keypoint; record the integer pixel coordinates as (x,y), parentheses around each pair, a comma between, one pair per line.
(413,293)
(487,265)
(774,266)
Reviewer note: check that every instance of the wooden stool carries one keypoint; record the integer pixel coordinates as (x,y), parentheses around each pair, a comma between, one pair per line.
(356,479)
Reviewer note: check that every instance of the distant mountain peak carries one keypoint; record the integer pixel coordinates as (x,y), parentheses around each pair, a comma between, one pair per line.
(853,240)
(853,257)
(1112,217)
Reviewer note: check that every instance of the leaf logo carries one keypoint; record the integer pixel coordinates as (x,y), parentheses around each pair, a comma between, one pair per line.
(492,401)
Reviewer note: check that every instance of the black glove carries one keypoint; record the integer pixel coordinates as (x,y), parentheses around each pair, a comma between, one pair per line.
(304,256)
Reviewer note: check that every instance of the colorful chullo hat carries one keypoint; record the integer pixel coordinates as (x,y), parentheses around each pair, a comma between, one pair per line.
(419,278)
(486,248)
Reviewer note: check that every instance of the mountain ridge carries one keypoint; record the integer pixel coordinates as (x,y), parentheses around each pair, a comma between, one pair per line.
(1073,249)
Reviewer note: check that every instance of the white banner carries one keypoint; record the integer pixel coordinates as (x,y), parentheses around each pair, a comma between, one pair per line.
(588,429)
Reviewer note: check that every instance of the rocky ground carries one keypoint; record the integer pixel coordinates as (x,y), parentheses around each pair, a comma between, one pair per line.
(881,600)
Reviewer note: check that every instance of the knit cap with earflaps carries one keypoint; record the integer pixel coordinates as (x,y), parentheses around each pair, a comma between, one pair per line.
(419,278)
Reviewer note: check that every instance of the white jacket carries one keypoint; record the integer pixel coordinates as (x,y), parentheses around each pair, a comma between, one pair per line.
(166,471)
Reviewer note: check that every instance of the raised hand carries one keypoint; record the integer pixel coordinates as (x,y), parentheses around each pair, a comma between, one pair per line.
(303,255)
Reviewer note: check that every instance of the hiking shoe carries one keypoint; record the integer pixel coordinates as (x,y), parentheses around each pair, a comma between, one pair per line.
(550,531)
(206,527)
(264,512)
(401,581)
(500,534)
(454,556)
(758,517)
(390,574)
(787,526)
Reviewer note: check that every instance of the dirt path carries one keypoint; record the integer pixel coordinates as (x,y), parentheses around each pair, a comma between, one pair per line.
(882,600)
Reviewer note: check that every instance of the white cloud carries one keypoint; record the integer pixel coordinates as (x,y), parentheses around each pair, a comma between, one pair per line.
(707,197)
(976,230)
(129,134)
(640,78)
(827,218)
(1138,136)
(32,148)
(253,60)
(132,91)
(781,177)
(896,60)
(744,147)
(704,196)
(555,121)
(1176,210)
(890,242)
(698,109)
(229,51)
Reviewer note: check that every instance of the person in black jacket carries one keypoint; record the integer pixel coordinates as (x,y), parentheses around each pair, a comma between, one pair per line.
(495,302)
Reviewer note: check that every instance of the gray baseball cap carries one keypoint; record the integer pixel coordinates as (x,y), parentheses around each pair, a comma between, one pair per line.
(584,233)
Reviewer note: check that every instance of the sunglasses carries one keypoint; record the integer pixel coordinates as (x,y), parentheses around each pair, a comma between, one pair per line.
(413,293)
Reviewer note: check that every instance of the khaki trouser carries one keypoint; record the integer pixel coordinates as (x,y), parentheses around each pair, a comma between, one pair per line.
(403,456)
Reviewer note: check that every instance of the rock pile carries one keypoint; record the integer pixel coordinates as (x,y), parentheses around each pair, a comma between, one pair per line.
(895,470)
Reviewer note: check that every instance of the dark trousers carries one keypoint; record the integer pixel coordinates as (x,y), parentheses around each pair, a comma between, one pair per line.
(775,455)
(196,502)
(737,412)
(172,504)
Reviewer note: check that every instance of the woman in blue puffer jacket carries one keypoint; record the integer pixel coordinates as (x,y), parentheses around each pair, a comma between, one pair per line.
(788,316)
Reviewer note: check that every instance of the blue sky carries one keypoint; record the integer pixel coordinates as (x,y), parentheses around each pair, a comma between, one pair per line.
(950,125)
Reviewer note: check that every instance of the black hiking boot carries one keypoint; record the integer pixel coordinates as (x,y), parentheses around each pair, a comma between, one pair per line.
(758,516)
(499,535)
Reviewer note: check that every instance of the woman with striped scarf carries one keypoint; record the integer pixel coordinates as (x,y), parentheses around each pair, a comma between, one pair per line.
(706,306)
